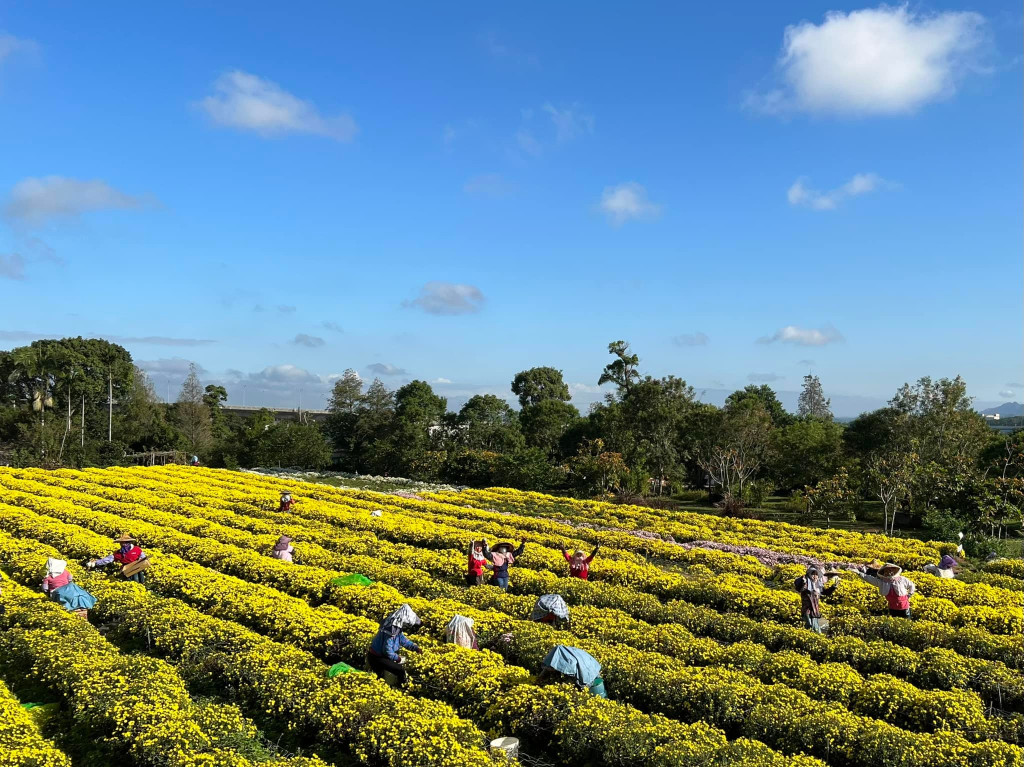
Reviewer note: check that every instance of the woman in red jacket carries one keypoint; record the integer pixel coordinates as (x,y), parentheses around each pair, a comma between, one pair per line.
(479,560)
(579,566)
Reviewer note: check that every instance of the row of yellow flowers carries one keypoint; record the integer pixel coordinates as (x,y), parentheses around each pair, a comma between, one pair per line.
(21,742)
(151,717)
(472,681)
(380,725)
(937,668)
(951,709)
(997,610)
(630,570)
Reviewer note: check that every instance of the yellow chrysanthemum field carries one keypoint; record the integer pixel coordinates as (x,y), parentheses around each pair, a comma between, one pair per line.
(222,658)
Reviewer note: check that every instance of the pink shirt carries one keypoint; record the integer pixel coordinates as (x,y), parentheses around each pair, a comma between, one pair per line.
(52,583)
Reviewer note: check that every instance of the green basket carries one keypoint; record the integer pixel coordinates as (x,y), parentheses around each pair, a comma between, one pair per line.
(341,668)
(355,579)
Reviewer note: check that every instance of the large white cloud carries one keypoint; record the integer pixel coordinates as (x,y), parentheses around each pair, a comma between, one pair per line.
(885,60)
(447,298)
(248,102)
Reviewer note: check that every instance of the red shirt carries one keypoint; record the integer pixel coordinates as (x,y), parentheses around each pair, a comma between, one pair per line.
(286,506)
(124,558)
(476,566)
(578,568)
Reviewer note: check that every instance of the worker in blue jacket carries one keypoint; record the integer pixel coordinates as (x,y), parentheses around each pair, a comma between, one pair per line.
(383,656)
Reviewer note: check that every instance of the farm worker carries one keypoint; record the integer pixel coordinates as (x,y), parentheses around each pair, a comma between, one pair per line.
(128,552)
(550,608)
(896,588)
(874,566)
(945,568)
(195,460)
(479,556)
(283,549)
(502,556)
(286,502)
(459,631)
(383,656)
(579,565)
(812,587)
(59,586)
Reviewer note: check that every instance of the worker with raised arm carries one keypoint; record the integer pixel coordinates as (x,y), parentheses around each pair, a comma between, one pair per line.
(129,556)
(579,564)
(895,587)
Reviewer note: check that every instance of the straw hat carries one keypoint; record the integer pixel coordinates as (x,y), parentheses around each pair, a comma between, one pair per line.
(889,570)
(125,538)
(503,546)
(876,564)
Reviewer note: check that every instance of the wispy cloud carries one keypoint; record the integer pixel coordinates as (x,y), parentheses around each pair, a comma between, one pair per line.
(764,377)
(11,45)
(20,335)
(310,342)
(334,327)
(569,121)
(385,369)
(488,185)
(168,366)
(12,266)
(528,142)
(247,102)
(808,363)
(37,201)
(876,61)
(1015,385)
(162,340)
(691,339)
(791,334)
(627,201)
(448,298)
(861,183)
(441,381)
(283,309)
(1007,393)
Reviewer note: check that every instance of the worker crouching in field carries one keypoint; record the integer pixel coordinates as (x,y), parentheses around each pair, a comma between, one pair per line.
(479,560)
(502,556)
(59,586)
(459,631)
(551,609)
(896,588)
(945,569)
(283,549)
(579,564)
(812,587)
(383,657)
(286,502)
(132,559)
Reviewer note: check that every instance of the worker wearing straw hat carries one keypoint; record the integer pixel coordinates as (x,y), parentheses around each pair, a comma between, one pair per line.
(130,556)
(895,587)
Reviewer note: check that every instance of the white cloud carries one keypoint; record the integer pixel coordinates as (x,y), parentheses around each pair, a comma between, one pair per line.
(245,101)
(861,183)
(876,61)
(441,381)
(447,298)
(764,377)
(627,201)
(791,334)
(10,45)
(35,201)
(385,369)
(284,374)
(487,185)
(170,367)
(808,363)
(12,266)
(161,340)
(1006,393)
(311,342)
(582,388)
(691,339)
(569,121)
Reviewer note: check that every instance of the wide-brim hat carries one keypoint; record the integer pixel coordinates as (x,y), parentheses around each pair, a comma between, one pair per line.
(889,570)
(125,538)
(503,546)
(876,564)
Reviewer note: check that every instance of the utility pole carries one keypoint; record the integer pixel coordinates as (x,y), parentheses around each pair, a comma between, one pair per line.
(83,421)
(110,406)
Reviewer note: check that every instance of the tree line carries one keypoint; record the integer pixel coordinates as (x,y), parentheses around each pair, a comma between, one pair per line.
(927,457)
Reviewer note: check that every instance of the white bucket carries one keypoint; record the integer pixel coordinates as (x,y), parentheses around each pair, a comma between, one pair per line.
(508,746)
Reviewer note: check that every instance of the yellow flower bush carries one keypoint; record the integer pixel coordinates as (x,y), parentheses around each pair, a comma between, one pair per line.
(21,743)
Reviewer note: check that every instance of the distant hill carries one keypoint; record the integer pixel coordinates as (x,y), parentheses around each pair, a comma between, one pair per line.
(1005,410)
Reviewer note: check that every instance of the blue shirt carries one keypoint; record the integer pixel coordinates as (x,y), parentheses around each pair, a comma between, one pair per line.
(387,646)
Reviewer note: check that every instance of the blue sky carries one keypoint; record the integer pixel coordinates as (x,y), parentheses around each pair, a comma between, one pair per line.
(455,193)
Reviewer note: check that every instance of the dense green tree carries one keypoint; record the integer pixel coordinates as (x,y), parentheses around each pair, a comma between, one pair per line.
(805,452)
(622,371)
(812,402)
(536,385)
(343,415)
(419,415)
(765,395)
(486,422)
(544,425)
